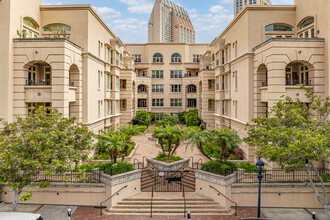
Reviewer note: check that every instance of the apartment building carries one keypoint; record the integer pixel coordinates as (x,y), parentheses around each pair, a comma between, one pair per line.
(170,23)
(63,57)
(167,76)
(240,4)
(264,53)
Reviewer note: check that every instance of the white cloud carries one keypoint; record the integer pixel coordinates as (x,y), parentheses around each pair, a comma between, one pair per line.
(138,6)
(226,1)
(217,9)
(107,13)
(47,3)
(282,2)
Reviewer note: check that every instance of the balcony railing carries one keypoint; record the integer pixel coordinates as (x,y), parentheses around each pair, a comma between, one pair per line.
(297,82)
(44,82)
(123,109)
(264,83)
(71,83)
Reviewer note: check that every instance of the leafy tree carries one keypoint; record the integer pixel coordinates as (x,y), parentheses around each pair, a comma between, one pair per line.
(39,143)
(113,142)
(295,136)
(142,118)
(173,136)
(192,118)
(223,140)
(196,137)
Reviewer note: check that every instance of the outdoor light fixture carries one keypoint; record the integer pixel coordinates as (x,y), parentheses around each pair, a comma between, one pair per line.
(259,164)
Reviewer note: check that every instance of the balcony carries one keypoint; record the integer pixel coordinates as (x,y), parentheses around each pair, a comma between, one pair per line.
(38,93)
(293,92)
(298,82)
(44,82)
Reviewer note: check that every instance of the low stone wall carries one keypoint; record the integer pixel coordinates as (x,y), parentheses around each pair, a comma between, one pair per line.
(217,179)
(290,195)
(83,194)
(162,166)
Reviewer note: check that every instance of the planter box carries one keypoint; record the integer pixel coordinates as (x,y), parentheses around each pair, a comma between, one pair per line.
(162,166)
(218,179)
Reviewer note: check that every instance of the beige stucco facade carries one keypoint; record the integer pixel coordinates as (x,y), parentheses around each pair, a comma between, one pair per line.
(66,57)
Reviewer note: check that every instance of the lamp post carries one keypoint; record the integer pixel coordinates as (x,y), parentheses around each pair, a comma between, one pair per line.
(259,164)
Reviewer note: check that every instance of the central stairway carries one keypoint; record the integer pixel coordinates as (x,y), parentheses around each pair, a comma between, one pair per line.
(168,203)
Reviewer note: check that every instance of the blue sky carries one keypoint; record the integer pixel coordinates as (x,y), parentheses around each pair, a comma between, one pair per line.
(128,19)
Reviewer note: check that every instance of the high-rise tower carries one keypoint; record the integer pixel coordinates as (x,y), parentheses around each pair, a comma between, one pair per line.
(170,23)
(240,4)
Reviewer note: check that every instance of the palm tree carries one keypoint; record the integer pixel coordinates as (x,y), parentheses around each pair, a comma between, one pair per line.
(173,134)
(128,131)
(226,139)
(196,137)
(114,142)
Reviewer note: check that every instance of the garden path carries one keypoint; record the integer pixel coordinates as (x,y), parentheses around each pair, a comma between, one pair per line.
(148,148)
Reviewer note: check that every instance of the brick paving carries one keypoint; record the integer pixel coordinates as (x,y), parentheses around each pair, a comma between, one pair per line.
(90,213)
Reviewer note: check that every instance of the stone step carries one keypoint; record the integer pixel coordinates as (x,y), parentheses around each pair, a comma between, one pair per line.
(168,211)
(169,199)
(157,206)
(167,202)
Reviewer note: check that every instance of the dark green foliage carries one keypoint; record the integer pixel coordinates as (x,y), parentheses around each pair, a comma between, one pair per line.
(225,168)
(248,167)
(142,118)
(108,168)
(192,118)
(326,177)
(164,157)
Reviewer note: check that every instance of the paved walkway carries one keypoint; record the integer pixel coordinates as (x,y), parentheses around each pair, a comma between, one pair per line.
(149,149)
(89,213)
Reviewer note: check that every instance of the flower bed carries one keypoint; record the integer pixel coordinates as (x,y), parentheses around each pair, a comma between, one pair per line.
(163,157)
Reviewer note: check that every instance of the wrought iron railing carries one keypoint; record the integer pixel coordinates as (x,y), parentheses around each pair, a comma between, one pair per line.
(44,82)
(116,193)
(297,82)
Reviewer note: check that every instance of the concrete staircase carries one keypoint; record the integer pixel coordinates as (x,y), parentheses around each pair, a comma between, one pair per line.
(168,203)
(148,179)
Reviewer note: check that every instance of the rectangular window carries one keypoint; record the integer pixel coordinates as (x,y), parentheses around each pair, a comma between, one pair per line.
(111,82)
(108,54)
(99,49)
(111,109)
(196,58)
(211,84)
(217,83)
(236,80)
(107,78)
(175,88)
(158,102)
(236,49)
(123,104)
(176,102)
(176,74)
(211,104)
(157,88)
(99,80)
(192,103)
(117,107)
(158,74)
(223,57)
(123,84)
(99,109)
(218,59)
(142,103)
(137,58)
(217,107)
(117,59)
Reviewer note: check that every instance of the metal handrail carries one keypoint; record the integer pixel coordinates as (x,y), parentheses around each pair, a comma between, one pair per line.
(226,198)
(143,167)
(184,199)
(152,196)
(116,193)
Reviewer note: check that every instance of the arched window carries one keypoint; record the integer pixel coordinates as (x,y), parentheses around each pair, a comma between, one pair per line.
(30,28)
(57,31)
(176,58)
(306,22)
(278,27)
(307,28)
(57,28)
(142,88)
(191,89)
(158,58)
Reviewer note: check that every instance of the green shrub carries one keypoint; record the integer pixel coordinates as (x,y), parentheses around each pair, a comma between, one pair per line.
(326,177)
(142,128)
(164,157)
(101,154)
(142,118)
(225,168)
(192,119)
(108,168)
